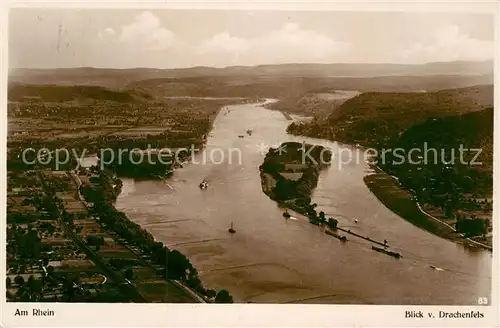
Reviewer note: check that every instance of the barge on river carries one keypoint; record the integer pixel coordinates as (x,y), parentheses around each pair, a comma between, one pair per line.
(339,237)
(386,251)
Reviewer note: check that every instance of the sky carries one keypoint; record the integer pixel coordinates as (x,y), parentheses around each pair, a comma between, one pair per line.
(126,38)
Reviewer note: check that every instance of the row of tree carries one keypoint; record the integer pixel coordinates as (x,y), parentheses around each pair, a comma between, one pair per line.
(320,218)
(175,265)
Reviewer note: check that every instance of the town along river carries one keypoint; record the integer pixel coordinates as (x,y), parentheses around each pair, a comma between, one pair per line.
(273,260)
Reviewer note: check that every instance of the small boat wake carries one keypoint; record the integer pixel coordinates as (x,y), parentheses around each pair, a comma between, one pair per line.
(288,216)
(231,229)
(435,268)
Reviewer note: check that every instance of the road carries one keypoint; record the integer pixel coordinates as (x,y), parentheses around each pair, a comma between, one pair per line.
(113,275)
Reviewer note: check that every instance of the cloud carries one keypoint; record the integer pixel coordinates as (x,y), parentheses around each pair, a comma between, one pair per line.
(106,33)
(145,33)
(290,43)
(146,42)
(224,42)
(109,31)
(448,44)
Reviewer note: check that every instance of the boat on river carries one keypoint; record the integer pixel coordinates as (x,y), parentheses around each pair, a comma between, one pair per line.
(386,251)
(231,230)
(336,235)
(204,184)
(241,136)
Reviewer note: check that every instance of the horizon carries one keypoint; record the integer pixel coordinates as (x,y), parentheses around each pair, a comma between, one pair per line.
(255,66)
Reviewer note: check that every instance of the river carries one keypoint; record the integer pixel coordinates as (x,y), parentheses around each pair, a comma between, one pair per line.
(273,260)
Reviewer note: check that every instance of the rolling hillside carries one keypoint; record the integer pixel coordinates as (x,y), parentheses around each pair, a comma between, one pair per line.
(296,85)
(60,93)
(454,185)
(478,72)
(472,130)
(376,119)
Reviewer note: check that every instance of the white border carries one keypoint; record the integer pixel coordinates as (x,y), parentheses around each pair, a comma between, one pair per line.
(179,315)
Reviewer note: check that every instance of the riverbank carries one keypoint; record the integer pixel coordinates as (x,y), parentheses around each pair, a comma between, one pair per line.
(263,262)
(403,203)
(172,265)
(452,198)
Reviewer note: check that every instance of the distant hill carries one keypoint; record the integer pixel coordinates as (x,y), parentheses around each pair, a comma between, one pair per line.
(116,78)
(376,118)
(365,70)
(292,88)
(59,93)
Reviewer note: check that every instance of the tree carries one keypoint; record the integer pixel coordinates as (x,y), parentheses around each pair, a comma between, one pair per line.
(332,223)
(19,280)
(96,241)
(116,263)
(8,282)
(322,218)
(223,296)
(160,255)
(82,215)
(471,226)
(69,218)
(486,227)
(68,288)
(31,281)
(195,283)
(211,293)
(129,274)
(177,265)
(448,211)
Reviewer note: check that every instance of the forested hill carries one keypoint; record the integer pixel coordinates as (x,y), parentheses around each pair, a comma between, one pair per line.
(472,131)
(439,177)
(377,119)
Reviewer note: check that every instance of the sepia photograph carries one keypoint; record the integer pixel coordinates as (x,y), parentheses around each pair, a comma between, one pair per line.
(190,155)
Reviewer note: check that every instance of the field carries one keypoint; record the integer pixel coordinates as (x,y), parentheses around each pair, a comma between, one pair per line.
(402,202)
(54,259)
(83,120)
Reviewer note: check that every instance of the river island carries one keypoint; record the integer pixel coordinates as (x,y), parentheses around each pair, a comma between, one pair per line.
(289,175)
